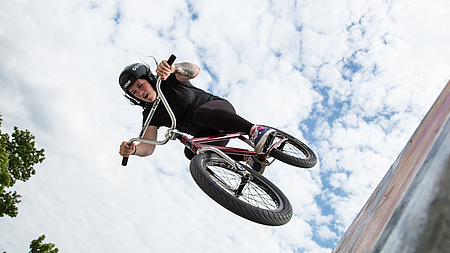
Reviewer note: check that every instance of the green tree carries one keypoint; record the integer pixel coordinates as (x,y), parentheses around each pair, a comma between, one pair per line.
(18,155)
(37,246)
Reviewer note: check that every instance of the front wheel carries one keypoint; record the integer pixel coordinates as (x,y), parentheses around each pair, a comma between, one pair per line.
(240,190)
(292,151)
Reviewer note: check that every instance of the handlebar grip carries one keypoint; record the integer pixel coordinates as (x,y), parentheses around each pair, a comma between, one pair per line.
(171,59)
(124,161)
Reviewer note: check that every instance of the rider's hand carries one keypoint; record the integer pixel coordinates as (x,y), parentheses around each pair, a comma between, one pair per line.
(127,149)
(164,70)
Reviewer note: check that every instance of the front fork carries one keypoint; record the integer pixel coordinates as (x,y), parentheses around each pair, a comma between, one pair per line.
(244,180)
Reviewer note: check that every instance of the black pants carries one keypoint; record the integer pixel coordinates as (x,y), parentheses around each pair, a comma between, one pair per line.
(218,117)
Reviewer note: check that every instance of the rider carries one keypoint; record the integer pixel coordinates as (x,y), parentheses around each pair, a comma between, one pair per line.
(197,112)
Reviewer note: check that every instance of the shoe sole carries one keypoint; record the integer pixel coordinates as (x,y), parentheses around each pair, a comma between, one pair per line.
(265,142)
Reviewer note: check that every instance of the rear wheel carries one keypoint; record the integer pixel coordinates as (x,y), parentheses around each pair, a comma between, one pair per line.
(240,190)
(292,151)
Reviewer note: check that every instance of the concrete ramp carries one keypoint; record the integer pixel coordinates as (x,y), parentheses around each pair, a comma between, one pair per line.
(409,211)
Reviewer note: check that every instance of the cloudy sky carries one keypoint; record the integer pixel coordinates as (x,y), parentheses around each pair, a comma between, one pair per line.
(353,79)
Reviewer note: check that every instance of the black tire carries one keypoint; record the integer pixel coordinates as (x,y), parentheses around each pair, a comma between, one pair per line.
(261,201)
(292,151)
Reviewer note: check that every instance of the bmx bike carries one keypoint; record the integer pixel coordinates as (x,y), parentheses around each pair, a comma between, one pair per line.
(222,173)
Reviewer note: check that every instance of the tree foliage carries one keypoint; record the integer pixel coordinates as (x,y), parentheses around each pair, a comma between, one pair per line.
(37,246)
(18,155)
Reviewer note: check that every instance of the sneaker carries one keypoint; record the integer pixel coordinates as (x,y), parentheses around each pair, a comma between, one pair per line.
(256,164)
(261,137)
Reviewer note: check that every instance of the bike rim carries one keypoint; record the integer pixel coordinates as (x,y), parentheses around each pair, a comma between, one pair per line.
(253,193)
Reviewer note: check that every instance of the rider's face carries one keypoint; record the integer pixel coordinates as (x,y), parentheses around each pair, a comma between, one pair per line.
(142,90)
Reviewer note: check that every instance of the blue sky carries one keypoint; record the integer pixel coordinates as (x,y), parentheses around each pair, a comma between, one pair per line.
(352,79)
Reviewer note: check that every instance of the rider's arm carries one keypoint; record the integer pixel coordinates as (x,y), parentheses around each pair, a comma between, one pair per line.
(142,149)
(145,149)
(184,71)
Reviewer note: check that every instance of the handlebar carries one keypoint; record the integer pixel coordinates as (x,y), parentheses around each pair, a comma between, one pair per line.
(160,97)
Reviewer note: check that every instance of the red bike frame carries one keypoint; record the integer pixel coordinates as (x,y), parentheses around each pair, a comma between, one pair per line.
(197,143)
(202,144)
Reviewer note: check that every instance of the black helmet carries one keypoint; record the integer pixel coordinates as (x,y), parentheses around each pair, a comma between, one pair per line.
(133,72)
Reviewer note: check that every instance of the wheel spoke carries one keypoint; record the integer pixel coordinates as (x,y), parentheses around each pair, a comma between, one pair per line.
(224,177)
(291,149)
(257,197)
(253,193)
